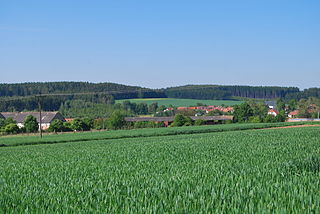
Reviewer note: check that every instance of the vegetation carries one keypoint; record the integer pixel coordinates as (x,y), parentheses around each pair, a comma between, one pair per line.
(136,133)
(265,171)
(182,102)
(31,124)
(228,92)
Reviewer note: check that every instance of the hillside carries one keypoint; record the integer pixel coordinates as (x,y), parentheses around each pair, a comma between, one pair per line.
(227,92)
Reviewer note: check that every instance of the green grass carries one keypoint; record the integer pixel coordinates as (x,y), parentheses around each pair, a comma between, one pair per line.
(253,171)
(135,133)
(182,102)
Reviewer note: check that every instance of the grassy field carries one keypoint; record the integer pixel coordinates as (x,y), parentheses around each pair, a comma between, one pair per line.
(18,140)
(181,102)
(252,171)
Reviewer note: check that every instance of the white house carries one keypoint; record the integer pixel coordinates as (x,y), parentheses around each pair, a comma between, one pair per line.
(46,117)
(273,112)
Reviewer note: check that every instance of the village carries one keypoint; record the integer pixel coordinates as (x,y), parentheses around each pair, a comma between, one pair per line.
(199,115)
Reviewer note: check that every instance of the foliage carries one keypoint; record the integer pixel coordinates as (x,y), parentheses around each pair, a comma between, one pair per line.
(116,121)
(199,122)
(255,119)
(11,129)
(181,102)
(181,120)
(56,126)
(81,125)
(242,112)
(31,124)
(227,92)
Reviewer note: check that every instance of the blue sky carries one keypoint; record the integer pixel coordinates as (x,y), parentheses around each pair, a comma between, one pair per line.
(161,43)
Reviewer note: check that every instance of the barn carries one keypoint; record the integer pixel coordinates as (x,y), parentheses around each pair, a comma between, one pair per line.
(46,117)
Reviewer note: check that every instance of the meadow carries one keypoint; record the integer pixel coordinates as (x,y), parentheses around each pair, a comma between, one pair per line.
(181,102)
(247,171)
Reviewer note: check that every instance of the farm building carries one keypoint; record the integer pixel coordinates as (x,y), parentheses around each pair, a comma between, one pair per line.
(273,112)
(46,117)
(293,114)
(168,120)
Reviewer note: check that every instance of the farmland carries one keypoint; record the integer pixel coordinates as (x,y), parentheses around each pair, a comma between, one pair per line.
(247,171)
(181,102)
(135,133)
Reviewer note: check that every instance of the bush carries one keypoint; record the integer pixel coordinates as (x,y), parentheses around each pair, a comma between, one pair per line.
(199,122)
(269,119)
(180,120)
(11,129)
(56,126)
(116,121)
(255,119)
(31,124)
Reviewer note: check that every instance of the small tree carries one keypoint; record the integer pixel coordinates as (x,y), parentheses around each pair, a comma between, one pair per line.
(31,124)
(78,125)
(179,120)
(242,112)
(11,129)
(199,122)
(2,123)
(281,117)
(56,126)
(269,119)
(116,121)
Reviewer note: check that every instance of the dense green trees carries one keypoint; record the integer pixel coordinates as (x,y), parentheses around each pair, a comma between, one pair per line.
(228,92)
(116,121)
(57,126)
(31,124)
(181,120)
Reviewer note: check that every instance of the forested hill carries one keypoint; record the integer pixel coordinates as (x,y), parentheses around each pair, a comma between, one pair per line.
(119,91)
(227,92)
(105,93)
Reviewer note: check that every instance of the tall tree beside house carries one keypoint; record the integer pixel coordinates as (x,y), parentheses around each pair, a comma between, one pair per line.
(56,126)
(242,112)
(31,124)
(280,105)
(116,121)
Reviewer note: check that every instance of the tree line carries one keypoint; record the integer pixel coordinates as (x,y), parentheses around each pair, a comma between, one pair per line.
(107,93)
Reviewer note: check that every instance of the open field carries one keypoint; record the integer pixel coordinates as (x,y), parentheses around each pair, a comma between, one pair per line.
(181,102)
(18,140)
(252,171)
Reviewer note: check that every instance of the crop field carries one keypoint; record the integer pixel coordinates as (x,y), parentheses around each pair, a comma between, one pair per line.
(247,171)
(181,102)
(51,138)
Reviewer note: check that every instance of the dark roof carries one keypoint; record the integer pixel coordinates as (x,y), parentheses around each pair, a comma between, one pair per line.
(47,117)
(170,119)
(271,103)
(1,116)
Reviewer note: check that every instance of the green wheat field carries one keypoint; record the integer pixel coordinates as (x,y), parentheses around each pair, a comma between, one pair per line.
(235,171)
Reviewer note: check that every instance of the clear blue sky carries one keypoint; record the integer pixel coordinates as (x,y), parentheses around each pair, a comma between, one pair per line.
(161,43)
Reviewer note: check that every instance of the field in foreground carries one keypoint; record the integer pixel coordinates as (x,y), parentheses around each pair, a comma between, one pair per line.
(51,138)
(253,171)
(181,102)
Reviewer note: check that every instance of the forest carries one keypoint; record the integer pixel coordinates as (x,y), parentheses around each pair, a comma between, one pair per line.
(21,96)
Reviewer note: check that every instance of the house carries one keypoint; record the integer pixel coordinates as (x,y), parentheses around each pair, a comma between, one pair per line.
(271,104)
(293,114)
(69,120)
(273,112)
(46,117)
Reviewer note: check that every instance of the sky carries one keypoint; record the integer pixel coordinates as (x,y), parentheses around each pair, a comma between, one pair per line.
(164,43)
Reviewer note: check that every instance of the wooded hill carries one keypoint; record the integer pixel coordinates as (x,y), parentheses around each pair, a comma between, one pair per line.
(107,92)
